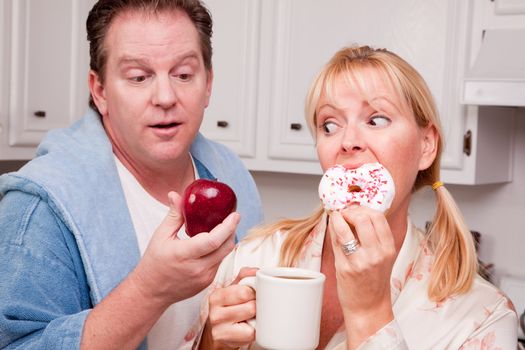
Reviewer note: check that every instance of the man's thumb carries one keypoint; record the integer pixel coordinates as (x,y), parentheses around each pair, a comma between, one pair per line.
(173,220)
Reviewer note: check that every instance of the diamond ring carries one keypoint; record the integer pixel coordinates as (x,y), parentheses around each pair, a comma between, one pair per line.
(350,247)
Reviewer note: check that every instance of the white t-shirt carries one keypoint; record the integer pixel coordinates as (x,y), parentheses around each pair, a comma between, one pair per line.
(146,214)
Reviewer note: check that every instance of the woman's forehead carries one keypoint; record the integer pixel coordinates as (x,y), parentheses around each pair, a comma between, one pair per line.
(370,84)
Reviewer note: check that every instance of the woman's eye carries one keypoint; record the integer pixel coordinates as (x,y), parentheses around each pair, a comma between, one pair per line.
(379,120)
(329,127)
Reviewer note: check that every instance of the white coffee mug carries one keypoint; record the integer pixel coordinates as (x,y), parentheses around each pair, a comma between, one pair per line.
(289,302)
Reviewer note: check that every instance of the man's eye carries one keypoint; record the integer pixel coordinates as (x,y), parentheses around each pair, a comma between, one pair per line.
(379,120)
(138,79)
(184,76)
(329,127)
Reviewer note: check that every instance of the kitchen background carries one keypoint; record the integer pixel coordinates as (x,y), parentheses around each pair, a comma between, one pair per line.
(471,52)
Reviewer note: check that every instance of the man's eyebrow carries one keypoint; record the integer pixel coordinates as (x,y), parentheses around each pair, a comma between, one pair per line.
(132,60)
(126,59)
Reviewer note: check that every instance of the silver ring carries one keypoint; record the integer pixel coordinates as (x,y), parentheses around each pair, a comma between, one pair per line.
(350,247)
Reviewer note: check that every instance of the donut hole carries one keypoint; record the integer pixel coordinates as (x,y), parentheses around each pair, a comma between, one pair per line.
(354,188)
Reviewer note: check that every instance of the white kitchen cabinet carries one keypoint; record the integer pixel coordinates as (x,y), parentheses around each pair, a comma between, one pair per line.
(231,116)
(298,36)
(44,59)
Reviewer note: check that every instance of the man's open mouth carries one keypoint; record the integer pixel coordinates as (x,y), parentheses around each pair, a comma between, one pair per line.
(165,126)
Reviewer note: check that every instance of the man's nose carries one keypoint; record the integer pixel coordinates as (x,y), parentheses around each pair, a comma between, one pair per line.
(353,140)
(164,94)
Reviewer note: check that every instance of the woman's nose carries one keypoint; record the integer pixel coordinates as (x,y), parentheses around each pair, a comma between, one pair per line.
(164,94)
(353,140)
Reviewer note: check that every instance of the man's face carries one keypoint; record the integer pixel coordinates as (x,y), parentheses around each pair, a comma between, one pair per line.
(156,87)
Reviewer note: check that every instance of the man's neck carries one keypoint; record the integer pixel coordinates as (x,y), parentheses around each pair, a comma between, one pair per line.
(160,180)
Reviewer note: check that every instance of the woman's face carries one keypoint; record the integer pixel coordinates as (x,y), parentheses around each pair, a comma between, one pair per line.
(352,130)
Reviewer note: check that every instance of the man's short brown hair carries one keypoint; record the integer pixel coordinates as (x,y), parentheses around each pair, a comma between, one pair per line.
(104,11)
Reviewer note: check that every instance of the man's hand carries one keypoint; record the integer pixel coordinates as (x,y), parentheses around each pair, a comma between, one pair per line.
(170,270)
(173,269)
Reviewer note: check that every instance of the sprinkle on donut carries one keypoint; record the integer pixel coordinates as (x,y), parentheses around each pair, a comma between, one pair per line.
(370,185)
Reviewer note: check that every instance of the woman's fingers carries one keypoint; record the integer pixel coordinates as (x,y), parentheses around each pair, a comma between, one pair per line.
(360,218)
(232,295)
(340,232)
(382,228)
(376,244)
(245,272)
(229,308)
(232,314)
(233,335)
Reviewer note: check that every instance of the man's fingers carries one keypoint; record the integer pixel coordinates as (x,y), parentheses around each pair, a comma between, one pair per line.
(173,220)
(222,236)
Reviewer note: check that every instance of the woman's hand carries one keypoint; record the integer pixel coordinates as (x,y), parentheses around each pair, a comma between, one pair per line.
(363,277)
(230,307)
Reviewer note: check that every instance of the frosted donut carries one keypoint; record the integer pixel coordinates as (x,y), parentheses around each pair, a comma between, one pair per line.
(370,185)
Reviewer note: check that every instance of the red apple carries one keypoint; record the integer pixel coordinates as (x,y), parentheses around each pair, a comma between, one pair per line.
(206,203)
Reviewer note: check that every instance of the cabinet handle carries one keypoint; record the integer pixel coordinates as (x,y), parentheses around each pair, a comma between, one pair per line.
(40,114)
(296,126)
(467,143)
(222,124)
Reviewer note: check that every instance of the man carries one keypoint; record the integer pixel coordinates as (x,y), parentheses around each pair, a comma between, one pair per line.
(79,265)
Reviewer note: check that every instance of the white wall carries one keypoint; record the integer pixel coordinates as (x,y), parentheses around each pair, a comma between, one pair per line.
(496,211)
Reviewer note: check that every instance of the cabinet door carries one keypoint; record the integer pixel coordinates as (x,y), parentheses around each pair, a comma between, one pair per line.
(47,60)
(306,33)
(4,86)
(230,117)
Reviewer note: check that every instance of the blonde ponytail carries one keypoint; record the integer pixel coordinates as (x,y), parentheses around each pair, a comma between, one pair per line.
(451,242)
(297,230)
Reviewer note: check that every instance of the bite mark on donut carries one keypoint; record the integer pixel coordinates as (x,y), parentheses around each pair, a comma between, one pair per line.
(354,188)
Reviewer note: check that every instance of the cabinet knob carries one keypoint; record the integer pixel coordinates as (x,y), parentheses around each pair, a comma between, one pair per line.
(296,126)
(467,143)
(40,114)
(222,124)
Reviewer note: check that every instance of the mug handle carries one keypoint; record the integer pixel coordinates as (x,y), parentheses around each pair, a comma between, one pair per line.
(250,282)
(522,321)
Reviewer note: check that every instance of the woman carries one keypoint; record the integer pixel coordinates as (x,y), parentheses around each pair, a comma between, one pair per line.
(402,288)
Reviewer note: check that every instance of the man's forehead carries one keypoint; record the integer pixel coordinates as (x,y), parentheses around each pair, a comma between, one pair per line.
(137,36)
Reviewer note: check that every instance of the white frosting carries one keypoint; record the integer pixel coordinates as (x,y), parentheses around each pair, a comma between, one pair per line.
(376,184)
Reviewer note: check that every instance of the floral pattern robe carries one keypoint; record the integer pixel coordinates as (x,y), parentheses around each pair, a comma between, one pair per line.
(482,319)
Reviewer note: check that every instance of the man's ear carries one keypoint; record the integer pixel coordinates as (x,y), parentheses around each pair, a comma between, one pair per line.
(429,146)
(97,92)
(209,84)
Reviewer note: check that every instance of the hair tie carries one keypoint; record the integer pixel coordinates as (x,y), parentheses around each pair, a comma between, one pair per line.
(437,185)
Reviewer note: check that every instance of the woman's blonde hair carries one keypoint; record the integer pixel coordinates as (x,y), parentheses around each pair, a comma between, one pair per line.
(449,239)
